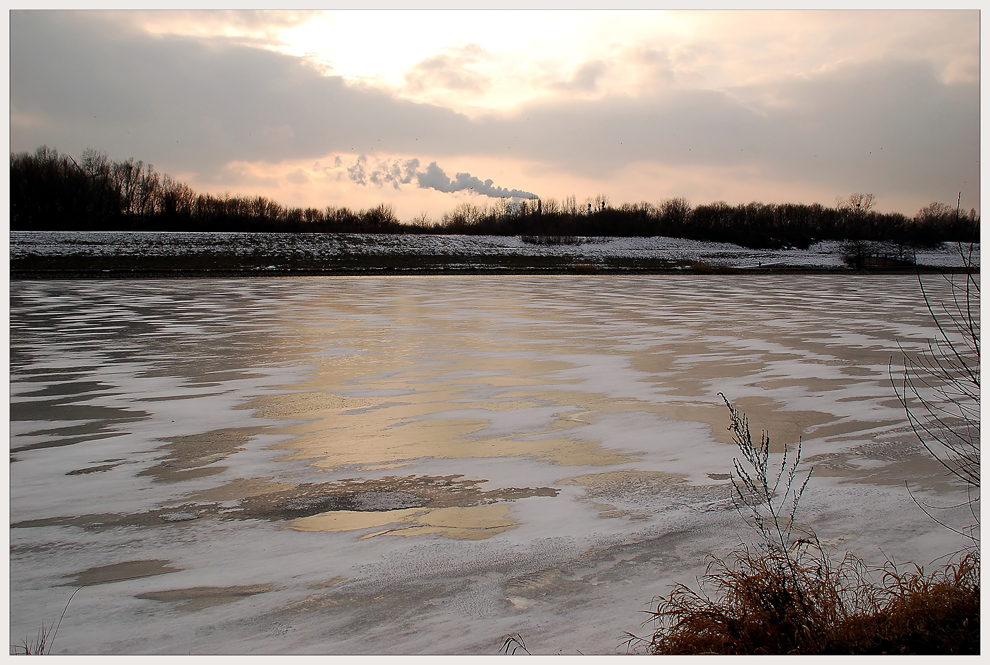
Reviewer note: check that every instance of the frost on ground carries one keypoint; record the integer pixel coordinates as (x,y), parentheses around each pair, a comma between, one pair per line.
(425,465)
(313,249)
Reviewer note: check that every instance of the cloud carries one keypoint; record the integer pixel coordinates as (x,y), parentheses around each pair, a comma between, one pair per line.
(298,177)
(196,104)
(450,71)
(259,27)
(585,79)
(657,65)
(876,126)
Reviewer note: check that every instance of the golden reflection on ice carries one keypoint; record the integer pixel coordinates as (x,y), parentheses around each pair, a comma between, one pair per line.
(410,422)
(415,371)
(462,523)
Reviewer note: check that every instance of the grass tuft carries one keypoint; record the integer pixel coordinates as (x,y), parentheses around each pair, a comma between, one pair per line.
(745,605)
(787,595)
(46,636)
(39,647)
(512,644)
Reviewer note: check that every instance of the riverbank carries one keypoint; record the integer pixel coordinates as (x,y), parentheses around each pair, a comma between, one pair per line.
(80,255)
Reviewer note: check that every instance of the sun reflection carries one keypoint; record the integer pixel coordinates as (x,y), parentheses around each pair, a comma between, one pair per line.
(460,523)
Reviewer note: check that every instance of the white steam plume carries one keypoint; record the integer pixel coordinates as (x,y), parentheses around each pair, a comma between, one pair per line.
(404,172)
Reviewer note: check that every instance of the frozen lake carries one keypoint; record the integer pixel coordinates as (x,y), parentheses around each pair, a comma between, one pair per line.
(426,464)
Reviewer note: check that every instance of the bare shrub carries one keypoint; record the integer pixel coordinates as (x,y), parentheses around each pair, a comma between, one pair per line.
(787,595)
(940,387)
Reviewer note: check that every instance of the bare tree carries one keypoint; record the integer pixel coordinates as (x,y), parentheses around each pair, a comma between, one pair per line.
(551,207)
(936,212)
(940,387)
(857,203)
(570,205)
(502,208)
(675,211)
(466,214)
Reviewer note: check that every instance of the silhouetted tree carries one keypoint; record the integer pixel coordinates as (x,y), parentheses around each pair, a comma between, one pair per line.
(53,191)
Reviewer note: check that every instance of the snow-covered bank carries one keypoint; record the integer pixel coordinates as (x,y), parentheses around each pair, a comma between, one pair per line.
(310,248)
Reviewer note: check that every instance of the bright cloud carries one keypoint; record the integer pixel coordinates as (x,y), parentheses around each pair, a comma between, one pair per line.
(637,105)
(500,60)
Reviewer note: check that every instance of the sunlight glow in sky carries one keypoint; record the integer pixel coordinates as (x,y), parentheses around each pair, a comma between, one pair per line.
(481,61)
(782,106)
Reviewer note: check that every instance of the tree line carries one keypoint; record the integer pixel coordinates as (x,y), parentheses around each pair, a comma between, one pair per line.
(52,191)
(756,225)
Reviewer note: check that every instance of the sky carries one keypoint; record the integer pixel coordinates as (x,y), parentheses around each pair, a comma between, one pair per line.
(428,109)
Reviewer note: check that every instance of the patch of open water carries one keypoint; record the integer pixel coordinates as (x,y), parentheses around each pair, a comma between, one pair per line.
(426,464)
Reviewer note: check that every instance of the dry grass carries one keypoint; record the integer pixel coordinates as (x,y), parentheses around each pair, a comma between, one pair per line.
(787,595)
(46,636)
(39,647)
(748,605)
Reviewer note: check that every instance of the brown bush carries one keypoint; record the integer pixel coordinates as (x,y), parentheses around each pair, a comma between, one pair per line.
(786,595)
(753,604)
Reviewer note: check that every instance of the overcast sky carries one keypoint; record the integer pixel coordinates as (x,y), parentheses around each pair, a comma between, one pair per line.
(360,107)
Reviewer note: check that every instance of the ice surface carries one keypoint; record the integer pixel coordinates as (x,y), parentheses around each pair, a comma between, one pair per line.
(426,464)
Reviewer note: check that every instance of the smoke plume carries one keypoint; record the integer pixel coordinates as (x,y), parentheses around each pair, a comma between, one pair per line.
(404,172)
